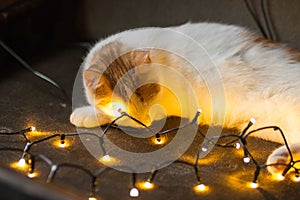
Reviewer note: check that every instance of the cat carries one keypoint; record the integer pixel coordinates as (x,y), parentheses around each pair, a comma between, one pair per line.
(260,79)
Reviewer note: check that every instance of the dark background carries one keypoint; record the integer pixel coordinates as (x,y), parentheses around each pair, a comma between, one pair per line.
(33,24)
(49,35)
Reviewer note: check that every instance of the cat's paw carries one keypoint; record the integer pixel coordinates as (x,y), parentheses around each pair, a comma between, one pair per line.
(281,157)
(88,117)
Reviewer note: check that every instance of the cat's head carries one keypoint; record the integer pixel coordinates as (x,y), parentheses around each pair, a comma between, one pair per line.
(110,91)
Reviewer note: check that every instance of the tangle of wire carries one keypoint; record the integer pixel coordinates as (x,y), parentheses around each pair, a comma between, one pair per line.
(35,72)
(236,141)
(268,33)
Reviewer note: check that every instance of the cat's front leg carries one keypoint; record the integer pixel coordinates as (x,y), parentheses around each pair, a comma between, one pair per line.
(88,117)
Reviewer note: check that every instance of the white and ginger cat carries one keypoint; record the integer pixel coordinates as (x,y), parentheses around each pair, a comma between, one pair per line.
(261,79)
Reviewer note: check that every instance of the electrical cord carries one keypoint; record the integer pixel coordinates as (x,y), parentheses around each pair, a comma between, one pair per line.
(257,22)
(268,32)
(35,72)
(267,20)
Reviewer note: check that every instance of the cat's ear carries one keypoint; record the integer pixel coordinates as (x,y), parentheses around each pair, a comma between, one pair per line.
(91,78)
(140,57)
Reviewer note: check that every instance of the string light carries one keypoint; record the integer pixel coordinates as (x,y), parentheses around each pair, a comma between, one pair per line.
(32,174)
(253,185)
(246,159)
(148,185)
(237,145)
(200,187)
(118,108)
(28,158)
(92,198)
(32,128)
(158,141)
(62,144)
(252,120)
(62,141)
(297,178)
(158,138)
(106,158)
(204,149)
(280,177)
(22,163)
(134,192)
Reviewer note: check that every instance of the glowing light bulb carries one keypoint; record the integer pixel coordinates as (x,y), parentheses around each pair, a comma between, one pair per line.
(134,192)
(148,185)
(254,185)
(297,178)
(158,140)
(32,175)
(246,159)
(106,158)
(118,108)
(252,120)
(62,144)
(280,177)
(32,128)
(92,198)
(200,187)
(237,145)
(22,163)
(204,149)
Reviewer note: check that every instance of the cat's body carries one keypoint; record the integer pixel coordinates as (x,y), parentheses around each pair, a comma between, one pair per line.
(260,78)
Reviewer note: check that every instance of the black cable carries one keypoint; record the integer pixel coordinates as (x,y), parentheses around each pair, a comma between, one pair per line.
(35,72)
(242,137)
(266,19)
(257,22)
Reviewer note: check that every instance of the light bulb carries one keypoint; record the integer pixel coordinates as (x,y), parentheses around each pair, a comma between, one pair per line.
(148,185)
(237,145)
(106,158)
(32,128)
(92,198)
(21,163)
(158,140)
(297,178)
(204,149)
(280,177)
(118,108)
(252,120)
(62,144)
(246,159)
(134,192)
(254,185)
(200,187)
(32,175)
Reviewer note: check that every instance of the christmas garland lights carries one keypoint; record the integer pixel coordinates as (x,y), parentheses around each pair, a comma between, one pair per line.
(28,159)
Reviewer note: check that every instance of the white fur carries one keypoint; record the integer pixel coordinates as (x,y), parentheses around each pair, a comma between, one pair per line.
(259,81)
